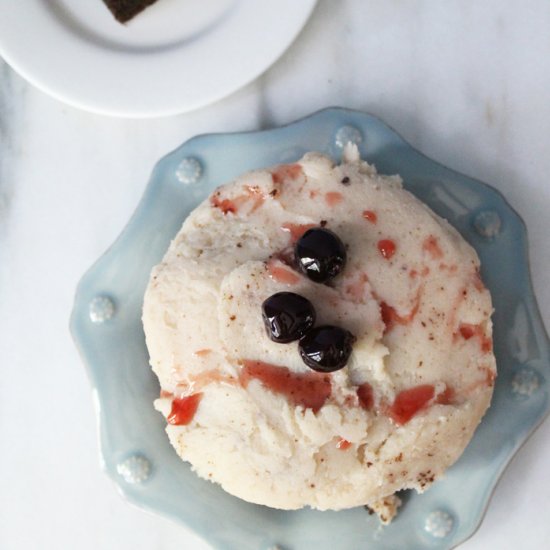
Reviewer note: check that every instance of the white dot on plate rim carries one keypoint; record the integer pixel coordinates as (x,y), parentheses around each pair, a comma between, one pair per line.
(439,523)
(525,382)
(487,223)
(347,134)
(189,170)
(101,309)
(134,469)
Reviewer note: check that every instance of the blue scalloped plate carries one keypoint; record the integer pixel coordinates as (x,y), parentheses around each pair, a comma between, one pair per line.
(106,325)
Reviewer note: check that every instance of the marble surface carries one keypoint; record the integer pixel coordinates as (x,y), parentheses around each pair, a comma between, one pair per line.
(466,82)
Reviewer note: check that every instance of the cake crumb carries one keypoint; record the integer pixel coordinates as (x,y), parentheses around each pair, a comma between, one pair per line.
(385,508)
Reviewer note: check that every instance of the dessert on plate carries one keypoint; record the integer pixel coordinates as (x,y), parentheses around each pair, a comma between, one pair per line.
(124,10)
(321,338)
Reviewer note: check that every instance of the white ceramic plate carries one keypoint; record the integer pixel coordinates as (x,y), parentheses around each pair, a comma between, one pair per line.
(175,56)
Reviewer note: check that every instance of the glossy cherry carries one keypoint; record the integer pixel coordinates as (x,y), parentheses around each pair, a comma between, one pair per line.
(320,254)
(326,348)
(287,316)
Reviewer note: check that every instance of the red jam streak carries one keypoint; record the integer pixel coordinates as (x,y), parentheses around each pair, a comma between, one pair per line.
(309,390)
(410,402)
(296,230)
(446,397)
(356,289)
(199,381)
(431,246)
(333,198)
(387,248)
(253,196)
(286,172)
(285,256)
(390,317)
(488,380)
(468,331)
(453,268)
(164,393)
(184,409)
(343,444)
(366,396)
(281,274)
(225,205)
(370,216)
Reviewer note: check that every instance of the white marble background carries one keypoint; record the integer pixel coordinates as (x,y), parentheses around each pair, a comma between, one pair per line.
(466,82)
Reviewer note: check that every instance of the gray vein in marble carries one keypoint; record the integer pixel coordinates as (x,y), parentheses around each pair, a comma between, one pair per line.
(11,91)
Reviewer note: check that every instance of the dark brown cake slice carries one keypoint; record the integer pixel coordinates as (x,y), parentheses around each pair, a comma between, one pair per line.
(124,10)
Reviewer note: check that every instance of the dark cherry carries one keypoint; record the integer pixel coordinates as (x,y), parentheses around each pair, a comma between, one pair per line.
(320,254)
(287,316)
(326,348)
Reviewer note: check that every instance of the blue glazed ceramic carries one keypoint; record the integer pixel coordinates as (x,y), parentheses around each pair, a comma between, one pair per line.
(106,325)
